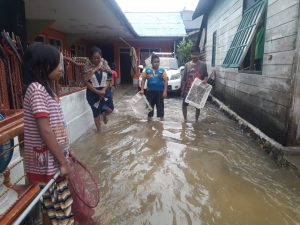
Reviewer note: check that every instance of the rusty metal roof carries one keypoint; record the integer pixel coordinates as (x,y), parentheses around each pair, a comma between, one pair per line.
(157,24)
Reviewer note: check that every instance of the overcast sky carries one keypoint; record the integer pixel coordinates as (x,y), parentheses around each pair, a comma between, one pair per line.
(157,5)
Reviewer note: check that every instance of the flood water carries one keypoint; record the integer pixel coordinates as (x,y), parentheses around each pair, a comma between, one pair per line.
(175,173)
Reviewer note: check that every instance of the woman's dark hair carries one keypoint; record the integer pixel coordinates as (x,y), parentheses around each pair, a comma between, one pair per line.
(154,57)
(113,66)
(94,50)
(39,61)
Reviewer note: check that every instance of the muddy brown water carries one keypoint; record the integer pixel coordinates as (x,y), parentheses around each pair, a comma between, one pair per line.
(175,173)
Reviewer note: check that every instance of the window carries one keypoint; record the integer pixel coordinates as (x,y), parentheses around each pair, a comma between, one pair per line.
(82,51)
(245,49)
(40,38)
(124,51)
(56,42)
(214,48)
(78,50)
(248,4)
(73,50)
(145,53)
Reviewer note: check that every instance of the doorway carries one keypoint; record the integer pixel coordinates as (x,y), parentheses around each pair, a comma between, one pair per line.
(107,52)
(125,66)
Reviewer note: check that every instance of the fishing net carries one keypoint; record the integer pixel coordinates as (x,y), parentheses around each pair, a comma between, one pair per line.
(85,193)
(140,105)
(198,93)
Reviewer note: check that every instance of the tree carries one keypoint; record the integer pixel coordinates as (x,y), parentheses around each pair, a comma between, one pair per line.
(184,51)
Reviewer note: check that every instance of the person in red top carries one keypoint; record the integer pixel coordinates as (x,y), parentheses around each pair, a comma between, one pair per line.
(45,137)
(115,75)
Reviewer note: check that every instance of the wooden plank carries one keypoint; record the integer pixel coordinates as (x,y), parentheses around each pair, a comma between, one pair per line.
(233,23)
(273,72)
(281,45)
(227,37)
(282,85)
(224,10)
(11,116)
(280,71)
(280,6)
(282,99)
(278,112)
(21,204)
(14,130)
(281,31)
(276,97)
(270,2)
(283,17)
(279,58)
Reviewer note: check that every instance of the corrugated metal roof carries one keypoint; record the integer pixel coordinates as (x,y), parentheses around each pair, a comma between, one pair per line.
(154,24)
(189,23)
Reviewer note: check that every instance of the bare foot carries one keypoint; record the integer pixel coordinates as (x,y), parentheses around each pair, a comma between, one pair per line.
(104,118)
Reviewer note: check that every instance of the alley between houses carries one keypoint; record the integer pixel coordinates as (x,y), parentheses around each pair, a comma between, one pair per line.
(179,173)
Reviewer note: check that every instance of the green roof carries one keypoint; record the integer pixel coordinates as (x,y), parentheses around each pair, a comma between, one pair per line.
(154,24)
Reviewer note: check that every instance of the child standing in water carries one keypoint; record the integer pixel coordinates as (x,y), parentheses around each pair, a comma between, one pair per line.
(157,84)
(115,75)
(45,137)
(98,93)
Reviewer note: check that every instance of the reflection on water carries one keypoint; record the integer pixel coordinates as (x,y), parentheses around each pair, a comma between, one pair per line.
(175,173)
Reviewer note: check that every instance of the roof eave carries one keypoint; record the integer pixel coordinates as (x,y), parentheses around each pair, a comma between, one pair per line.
(203,7)
(121,16)
(176,36)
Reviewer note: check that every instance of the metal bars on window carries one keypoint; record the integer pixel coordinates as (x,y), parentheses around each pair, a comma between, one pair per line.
(244,35)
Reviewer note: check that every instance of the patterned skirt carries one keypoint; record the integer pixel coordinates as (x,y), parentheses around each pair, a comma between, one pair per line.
(57,202)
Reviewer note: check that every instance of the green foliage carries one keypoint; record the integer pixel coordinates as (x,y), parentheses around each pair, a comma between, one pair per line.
(184,51)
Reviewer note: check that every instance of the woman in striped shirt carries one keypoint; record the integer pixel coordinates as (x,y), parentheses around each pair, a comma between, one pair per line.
(45,137)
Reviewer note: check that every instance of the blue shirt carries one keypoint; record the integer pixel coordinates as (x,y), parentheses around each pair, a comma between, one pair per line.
(155,79)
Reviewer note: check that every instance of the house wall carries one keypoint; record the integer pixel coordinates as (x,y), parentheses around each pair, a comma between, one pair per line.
(77,114)
(264,100)
(49,33)
(164,45)
(294,122)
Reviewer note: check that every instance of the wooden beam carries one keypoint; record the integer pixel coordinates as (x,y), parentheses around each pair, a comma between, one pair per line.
(27,194)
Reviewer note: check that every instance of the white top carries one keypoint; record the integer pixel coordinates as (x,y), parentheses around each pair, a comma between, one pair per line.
(95,82)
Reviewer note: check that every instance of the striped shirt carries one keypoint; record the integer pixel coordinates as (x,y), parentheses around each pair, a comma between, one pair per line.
(40,163)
